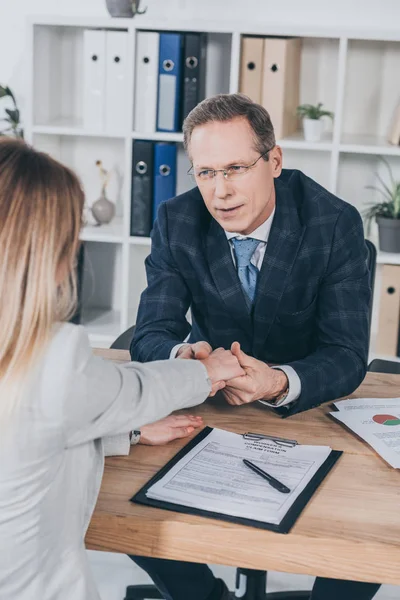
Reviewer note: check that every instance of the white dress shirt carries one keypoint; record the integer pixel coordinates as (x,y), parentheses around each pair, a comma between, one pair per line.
(262,234)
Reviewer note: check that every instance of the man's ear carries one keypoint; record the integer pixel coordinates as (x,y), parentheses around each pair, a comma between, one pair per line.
(275,158)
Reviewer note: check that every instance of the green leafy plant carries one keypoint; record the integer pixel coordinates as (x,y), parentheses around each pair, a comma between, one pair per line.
(389,207)
(311,111)
(12,121)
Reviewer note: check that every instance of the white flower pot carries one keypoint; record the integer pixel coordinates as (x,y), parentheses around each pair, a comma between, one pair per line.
(313,129)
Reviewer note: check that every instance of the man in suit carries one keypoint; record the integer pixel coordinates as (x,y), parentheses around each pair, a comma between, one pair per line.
(272,266)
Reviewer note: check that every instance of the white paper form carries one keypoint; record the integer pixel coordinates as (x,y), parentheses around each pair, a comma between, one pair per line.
(368,404)
(380,428)
(212,476)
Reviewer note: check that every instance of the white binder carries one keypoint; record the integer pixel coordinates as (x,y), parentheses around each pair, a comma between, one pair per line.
(94,78)
(116,81)
(146,81)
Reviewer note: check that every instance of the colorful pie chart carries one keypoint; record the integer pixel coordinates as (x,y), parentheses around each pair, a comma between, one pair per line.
(386,419)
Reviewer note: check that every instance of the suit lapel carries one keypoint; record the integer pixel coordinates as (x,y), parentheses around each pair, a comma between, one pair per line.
(225,276)
(283,244)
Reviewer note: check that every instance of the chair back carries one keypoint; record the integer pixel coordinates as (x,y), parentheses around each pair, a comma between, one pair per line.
(371,264)
(123,341)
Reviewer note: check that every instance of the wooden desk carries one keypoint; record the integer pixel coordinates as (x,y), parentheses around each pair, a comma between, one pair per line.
(350,529)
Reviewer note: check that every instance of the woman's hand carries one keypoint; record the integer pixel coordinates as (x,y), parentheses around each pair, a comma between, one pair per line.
(222,366)
(168,429)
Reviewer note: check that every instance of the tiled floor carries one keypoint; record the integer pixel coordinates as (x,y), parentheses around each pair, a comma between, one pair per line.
(114,572)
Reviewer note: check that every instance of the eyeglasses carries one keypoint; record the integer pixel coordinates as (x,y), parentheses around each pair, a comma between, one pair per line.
(229,173)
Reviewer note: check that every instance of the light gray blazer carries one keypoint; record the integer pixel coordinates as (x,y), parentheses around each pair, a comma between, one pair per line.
(51,457)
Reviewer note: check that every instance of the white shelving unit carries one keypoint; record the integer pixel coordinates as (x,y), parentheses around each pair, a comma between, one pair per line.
(354,73)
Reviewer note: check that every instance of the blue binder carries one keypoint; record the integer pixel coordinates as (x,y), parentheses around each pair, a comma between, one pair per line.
(164,174)
(169,82)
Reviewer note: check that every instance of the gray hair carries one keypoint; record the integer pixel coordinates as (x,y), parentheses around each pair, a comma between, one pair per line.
(225,107)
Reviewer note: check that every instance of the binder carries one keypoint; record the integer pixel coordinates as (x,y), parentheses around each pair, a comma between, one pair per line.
(76,317)
(281,83)
(116,80)
(284,526)
(169,82)
(94,78)
(389,310)
(194,71)
(142,188)
(251,67)
(164,173)
(146,81)
(394,132)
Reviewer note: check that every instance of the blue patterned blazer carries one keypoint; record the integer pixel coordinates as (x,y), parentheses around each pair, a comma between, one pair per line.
(312,300)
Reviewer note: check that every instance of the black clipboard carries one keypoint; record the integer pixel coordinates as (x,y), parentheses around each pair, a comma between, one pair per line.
(284,526)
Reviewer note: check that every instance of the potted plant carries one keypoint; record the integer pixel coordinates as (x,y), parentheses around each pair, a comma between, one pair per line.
(12,121)
(312,123)
(386,212)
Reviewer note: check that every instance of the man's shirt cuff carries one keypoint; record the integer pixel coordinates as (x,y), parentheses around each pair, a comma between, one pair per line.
(294,387)
(175,350)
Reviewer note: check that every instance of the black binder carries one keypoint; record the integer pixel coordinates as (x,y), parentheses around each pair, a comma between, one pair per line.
(284,526)
(194,71)
(142,188)
(76,317)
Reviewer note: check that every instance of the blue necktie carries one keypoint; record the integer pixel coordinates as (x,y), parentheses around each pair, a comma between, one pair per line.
(248,273)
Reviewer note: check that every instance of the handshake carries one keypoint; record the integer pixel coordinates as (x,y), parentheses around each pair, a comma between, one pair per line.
(242,378)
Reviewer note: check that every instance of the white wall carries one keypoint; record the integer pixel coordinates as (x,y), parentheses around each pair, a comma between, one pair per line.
(352,14)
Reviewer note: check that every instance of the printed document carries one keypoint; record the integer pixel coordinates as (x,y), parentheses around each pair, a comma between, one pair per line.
(368,404)
(379,427)
(213,477)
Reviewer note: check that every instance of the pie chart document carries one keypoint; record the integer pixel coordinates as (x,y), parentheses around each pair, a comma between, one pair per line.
(379,427)
(377,404)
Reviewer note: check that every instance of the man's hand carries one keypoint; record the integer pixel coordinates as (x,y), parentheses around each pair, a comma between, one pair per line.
(260,382)
(168,429)
(199,351)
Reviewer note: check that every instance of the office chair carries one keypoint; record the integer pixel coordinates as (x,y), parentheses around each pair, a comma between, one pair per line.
(123,341)
(255,582)
(379,365)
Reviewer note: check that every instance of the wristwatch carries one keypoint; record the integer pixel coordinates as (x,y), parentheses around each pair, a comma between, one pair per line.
(134,436)
(283,395)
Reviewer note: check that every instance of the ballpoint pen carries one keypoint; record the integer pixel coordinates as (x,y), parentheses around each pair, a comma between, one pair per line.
(271,480)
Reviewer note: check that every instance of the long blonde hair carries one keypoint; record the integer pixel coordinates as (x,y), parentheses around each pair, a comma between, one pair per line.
(41,204)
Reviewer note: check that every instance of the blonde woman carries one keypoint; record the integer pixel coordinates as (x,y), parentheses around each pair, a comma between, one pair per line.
(57,401)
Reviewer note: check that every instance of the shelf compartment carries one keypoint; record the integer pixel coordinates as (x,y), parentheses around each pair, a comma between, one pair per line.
(140,241)
(102,290)
(356,172)
(314,164)
(367,144)
(58,80)
(297,142)
(73,126)
(372,88)
(80,154)
(387,258)
(158,136)
(102,326)
(108,232)
(217,75)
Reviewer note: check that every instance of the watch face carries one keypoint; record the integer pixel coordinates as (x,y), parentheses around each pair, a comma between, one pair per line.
(135,437)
